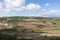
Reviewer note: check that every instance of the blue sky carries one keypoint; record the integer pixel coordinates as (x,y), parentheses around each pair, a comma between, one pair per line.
(44,8)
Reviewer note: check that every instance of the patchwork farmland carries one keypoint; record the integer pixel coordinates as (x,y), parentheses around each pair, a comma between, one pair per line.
(30,26)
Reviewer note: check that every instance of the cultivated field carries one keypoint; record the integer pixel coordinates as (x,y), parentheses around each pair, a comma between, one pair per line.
(30,26)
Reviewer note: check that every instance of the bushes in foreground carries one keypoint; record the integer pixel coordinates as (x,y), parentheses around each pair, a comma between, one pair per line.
(7,37)
(55,38)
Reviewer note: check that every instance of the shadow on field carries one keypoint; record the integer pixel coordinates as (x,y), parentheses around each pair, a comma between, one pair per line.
(8,37)
(43,38)
(47,38)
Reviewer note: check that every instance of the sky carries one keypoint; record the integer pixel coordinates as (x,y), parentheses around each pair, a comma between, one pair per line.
(37,8)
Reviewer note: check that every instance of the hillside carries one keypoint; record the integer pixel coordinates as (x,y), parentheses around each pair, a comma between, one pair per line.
(30,27)
(31,22)
(36,24)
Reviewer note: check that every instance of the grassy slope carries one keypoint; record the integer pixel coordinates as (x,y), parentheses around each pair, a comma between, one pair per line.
(15,20)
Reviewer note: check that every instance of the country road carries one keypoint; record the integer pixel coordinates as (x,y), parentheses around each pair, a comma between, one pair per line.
(49,35)
(37,35)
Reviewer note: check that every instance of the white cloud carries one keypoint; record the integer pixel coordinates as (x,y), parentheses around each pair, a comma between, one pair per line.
(1,5)
(47,4)
(43,10)
(54,11)
(21,8)
(11,5)
(14,3)
(17,5)
(50,13)
(33,6)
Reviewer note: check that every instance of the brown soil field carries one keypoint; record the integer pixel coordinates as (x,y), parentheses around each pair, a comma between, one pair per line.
(27,26)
